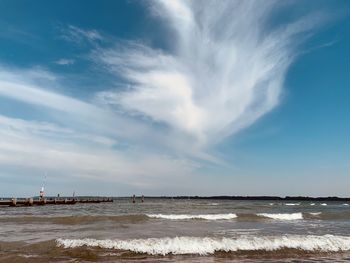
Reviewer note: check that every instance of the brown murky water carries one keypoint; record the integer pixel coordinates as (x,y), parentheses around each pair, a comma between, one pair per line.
(177,230)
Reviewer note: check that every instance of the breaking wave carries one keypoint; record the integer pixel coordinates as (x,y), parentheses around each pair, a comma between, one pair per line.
(208,245)
(139,218)
(292,216)
(315,213)
(184,217)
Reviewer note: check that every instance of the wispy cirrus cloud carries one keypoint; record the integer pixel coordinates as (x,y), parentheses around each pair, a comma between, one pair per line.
(224,70)
(64,61)
(78,35)
(31,156)
(79,139)
(48,147)
(41,88)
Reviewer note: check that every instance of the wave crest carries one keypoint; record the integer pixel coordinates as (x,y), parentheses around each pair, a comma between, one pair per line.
(292,216)
(204,216)
(207,245)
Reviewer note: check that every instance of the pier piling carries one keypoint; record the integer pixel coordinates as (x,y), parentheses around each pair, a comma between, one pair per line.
(29,202)
(13,201)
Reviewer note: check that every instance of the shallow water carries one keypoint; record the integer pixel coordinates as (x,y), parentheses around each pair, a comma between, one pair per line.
(165,230)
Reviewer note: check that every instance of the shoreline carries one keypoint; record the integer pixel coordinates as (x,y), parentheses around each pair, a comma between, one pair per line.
(255,198)
(215,197)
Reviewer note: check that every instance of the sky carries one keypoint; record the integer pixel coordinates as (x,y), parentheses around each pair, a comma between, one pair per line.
(175,97)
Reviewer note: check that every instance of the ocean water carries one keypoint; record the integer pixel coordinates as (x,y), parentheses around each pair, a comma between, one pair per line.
(165,230)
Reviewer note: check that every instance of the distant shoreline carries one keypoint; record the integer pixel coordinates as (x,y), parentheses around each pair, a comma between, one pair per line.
(221,197)
(256,198)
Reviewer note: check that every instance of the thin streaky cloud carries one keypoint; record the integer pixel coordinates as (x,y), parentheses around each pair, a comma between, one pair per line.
(219,76)
(78,35)
(64,61)
(34,88)
(153,113)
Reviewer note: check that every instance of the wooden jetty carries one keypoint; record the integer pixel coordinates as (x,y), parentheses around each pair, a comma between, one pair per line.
(52,201)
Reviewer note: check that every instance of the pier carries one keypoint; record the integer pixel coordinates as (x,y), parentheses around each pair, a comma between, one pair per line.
(52,201)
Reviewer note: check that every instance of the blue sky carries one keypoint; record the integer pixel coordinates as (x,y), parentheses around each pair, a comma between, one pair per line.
(175,97)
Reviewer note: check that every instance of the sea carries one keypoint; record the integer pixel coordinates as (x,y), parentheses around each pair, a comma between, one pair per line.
(172,230)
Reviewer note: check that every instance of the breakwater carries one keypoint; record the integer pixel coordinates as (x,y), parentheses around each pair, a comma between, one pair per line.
(51,201)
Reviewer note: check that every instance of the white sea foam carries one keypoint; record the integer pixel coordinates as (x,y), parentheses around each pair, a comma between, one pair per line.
(312,204)
(184,217)
(292,204)
(346,204)
(207,245)
(292,216)
(315,213)
(324,204)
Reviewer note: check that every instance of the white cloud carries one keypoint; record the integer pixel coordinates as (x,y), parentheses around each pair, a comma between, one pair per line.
(42,146)
(35,88)
(225,70)
(76,34)
(16,126)
(64,61)
(35,75)
(80,139)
